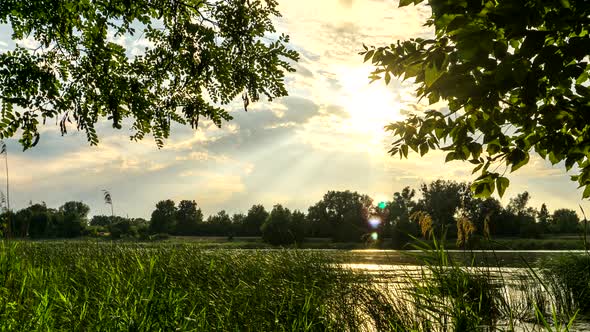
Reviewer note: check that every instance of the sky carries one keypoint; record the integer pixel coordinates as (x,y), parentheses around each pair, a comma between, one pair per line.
(327,135)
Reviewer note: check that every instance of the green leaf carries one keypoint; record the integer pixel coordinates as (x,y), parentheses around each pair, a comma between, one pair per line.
(501,184)
(517,158)
(493,148)
(403,3)
(586,193)
(423,149)
(582,78)
(477,168)
(431,75)
(405,150)
(387,78)
(450,157)
(483,188)
(553,158)
(369,55)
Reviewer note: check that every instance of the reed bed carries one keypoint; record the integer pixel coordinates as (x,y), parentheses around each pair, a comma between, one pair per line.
(133,287)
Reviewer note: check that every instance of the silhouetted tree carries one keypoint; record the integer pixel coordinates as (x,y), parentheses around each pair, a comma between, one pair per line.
(188,216)
(40,221)
(400,209)
(565,221)
(298,226)
(481,211)
(101,220)
(221,218)
(121,228)
(72,218)
(341,215)
(253,221)
(544,218)
(441,199)
(521,217)
(163,217)
(276,229)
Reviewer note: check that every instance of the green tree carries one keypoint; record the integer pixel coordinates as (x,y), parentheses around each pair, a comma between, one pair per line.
(254,219)
(298,226)
(121,227)
(400,209)
(441,199)
(101,220)
(40,221)
(543,218)
(72,219)
(188,216)
(521,218)
(519,204)
(485,214)
(276,229)
(237,219)
(221,218)
(201,54)
(515,77)
(163,217)
(565,221)
(342,215)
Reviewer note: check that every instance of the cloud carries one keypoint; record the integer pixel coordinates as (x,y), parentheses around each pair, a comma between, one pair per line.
(299,109)
(327,136)
(346,3)
(337,111)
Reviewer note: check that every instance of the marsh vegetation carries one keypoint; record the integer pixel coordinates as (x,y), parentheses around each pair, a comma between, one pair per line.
(126,286)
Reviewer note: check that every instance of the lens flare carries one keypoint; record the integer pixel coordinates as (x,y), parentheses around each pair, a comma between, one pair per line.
(374,222)
(382,205)
(374,236)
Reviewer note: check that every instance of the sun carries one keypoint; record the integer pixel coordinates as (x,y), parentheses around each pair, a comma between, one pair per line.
(370,106)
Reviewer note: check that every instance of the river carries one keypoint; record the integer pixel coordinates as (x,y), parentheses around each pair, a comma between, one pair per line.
(511,269)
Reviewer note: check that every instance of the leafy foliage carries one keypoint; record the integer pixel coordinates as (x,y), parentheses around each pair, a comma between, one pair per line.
(277,227)
(565,221)
(164,217)
(200,55)
(342,215)
(188,217)
(254,220)
(72,218)
(515,77)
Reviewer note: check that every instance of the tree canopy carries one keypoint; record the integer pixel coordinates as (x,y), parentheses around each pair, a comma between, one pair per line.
(515,77)
(200,55)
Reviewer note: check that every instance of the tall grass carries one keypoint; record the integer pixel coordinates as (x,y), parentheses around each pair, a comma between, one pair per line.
(125,287)
(132,287)
(569,279)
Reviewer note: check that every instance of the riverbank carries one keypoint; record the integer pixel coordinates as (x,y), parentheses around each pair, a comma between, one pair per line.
(563,242)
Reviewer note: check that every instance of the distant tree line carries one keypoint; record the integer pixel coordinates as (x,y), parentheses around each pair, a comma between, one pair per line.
(447,207)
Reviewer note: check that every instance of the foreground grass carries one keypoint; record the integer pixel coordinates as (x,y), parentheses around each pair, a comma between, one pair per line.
(82,286)
(135,287)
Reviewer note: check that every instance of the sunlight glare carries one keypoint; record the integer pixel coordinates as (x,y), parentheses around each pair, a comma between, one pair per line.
(370,106)
(374,222)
